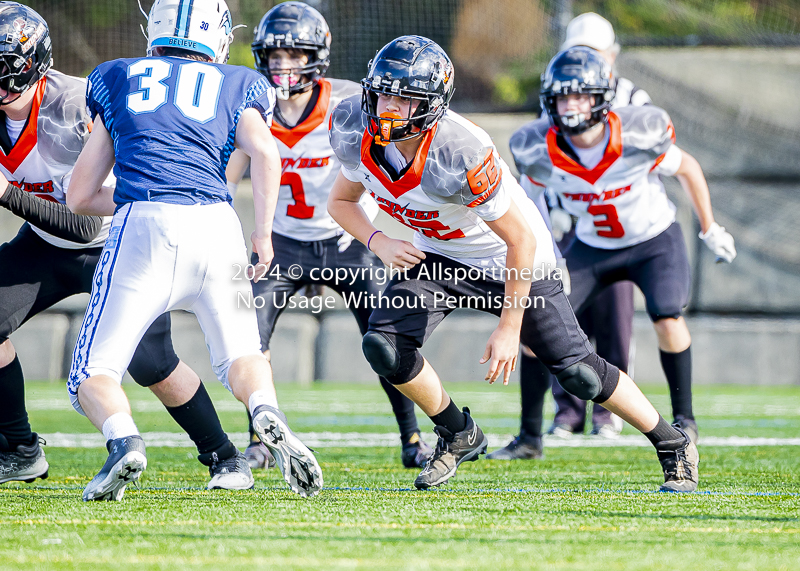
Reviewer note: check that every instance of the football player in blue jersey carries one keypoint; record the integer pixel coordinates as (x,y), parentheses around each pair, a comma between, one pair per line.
(44,125)
(168,124)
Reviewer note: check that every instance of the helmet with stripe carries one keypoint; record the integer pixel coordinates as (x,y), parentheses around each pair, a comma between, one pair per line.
(198,26)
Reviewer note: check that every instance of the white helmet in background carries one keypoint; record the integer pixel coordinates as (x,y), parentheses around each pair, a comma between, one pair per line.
(593,31)
(200,26)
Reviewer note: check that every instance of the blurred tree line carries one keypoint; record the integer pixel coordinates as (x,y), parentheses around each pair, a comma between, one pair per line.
(499,47)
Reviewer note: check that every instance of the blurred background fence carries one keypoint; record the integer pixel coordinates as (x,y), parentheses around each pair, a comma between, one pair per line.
(727,71)
(499,46)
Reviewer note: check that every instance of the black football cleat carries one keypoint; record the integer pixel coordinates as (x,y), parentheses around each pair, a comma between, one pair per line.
(679,460)
(24,463)
(523,447)
(127,459)
(232,473)
(689,426)
(415,452)
(451,450)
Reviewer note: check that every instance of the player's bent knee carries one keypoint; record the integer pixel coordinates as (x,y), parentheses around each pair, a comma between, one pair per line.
(580,380)
(396,358)
(591,378)
(381,353)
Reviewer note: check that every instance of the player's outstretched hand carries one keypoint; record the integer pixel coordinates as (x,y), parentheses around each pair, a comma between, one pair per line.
(501,352)
(396,253)
(720,242)
(262,247)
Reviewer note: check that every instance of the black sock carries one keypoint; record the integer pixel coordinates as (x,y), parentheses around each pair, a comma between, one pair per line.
(253,436)
(535,381)
(199,419)
(451,418)
(678,370)
(403,408)
(663,432)
(14,423)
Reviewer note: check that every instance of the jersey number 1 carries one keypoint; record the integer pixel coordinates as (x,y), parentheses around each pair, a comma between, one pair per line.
(197,88)
(299,209)
(615,229)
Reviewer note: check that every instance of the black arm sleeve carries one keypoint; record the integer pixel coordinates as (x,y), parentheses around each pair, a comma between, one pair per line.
(52,217)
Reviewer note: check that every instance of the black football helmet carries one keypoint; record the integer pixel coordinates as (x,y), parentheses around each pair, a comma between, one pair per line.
(412,67)
(26,52)
(293,25)
(578,70)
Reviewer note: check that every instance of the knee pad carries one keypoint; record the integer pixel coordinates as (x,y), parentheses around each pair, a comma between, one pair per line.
(591,378)
(392,357)
(147,376)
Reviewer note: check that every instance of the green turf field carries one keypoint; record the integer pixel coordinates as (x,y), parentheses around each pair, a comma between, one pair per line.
(580,508)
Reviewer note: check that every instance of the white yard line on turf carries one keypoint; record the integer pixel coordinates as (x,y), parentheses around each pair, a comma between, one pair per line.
(724,405)
(373,439)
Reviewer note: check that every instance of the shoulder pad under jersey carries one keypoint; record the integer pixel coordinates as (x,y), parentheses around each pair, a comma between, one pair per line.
(646,131)
(342,89)
(528,146)
(458,146)
(63,124)
(347,127)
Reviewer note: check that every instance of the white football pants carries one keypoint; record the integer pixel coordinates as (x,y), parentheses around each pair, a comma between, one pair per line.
(159,257)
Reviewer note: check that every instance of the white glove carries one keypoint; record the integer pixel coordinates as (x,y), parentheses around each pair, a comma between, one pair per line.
(720,242)
(344,242)
(560,222)
(566,282)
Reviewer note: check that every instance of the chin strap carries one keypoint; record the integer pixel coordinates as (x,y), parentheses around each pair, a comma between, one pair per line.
(146,17)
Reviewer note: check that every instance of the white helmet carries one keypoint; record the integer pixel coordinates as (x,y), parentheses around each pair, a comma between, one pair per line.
(200,26)
(591,30)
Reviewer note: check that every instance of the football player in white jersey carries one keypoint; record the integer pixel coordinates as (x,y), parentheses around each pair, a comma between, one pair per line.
(480,243)
(292,48)
(55,253)
(605,166)
(609,319)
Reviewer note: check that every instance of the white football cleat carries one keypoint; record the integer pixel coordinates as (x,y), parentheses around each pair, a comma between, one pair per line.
(295,461)
(126,461)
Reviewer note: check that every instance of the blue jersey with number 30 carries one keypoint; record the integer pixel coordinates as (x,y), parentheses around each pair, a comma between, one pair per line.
(173,122)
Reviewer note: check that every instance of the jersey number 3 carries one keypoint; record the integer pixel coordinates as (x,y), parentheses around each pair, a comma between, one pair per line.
(197,88)
(611,221)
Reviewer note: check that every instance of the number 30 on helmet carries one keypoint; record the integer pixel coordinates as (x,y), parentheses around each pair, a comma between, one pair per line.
(412,67)
(200,26)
